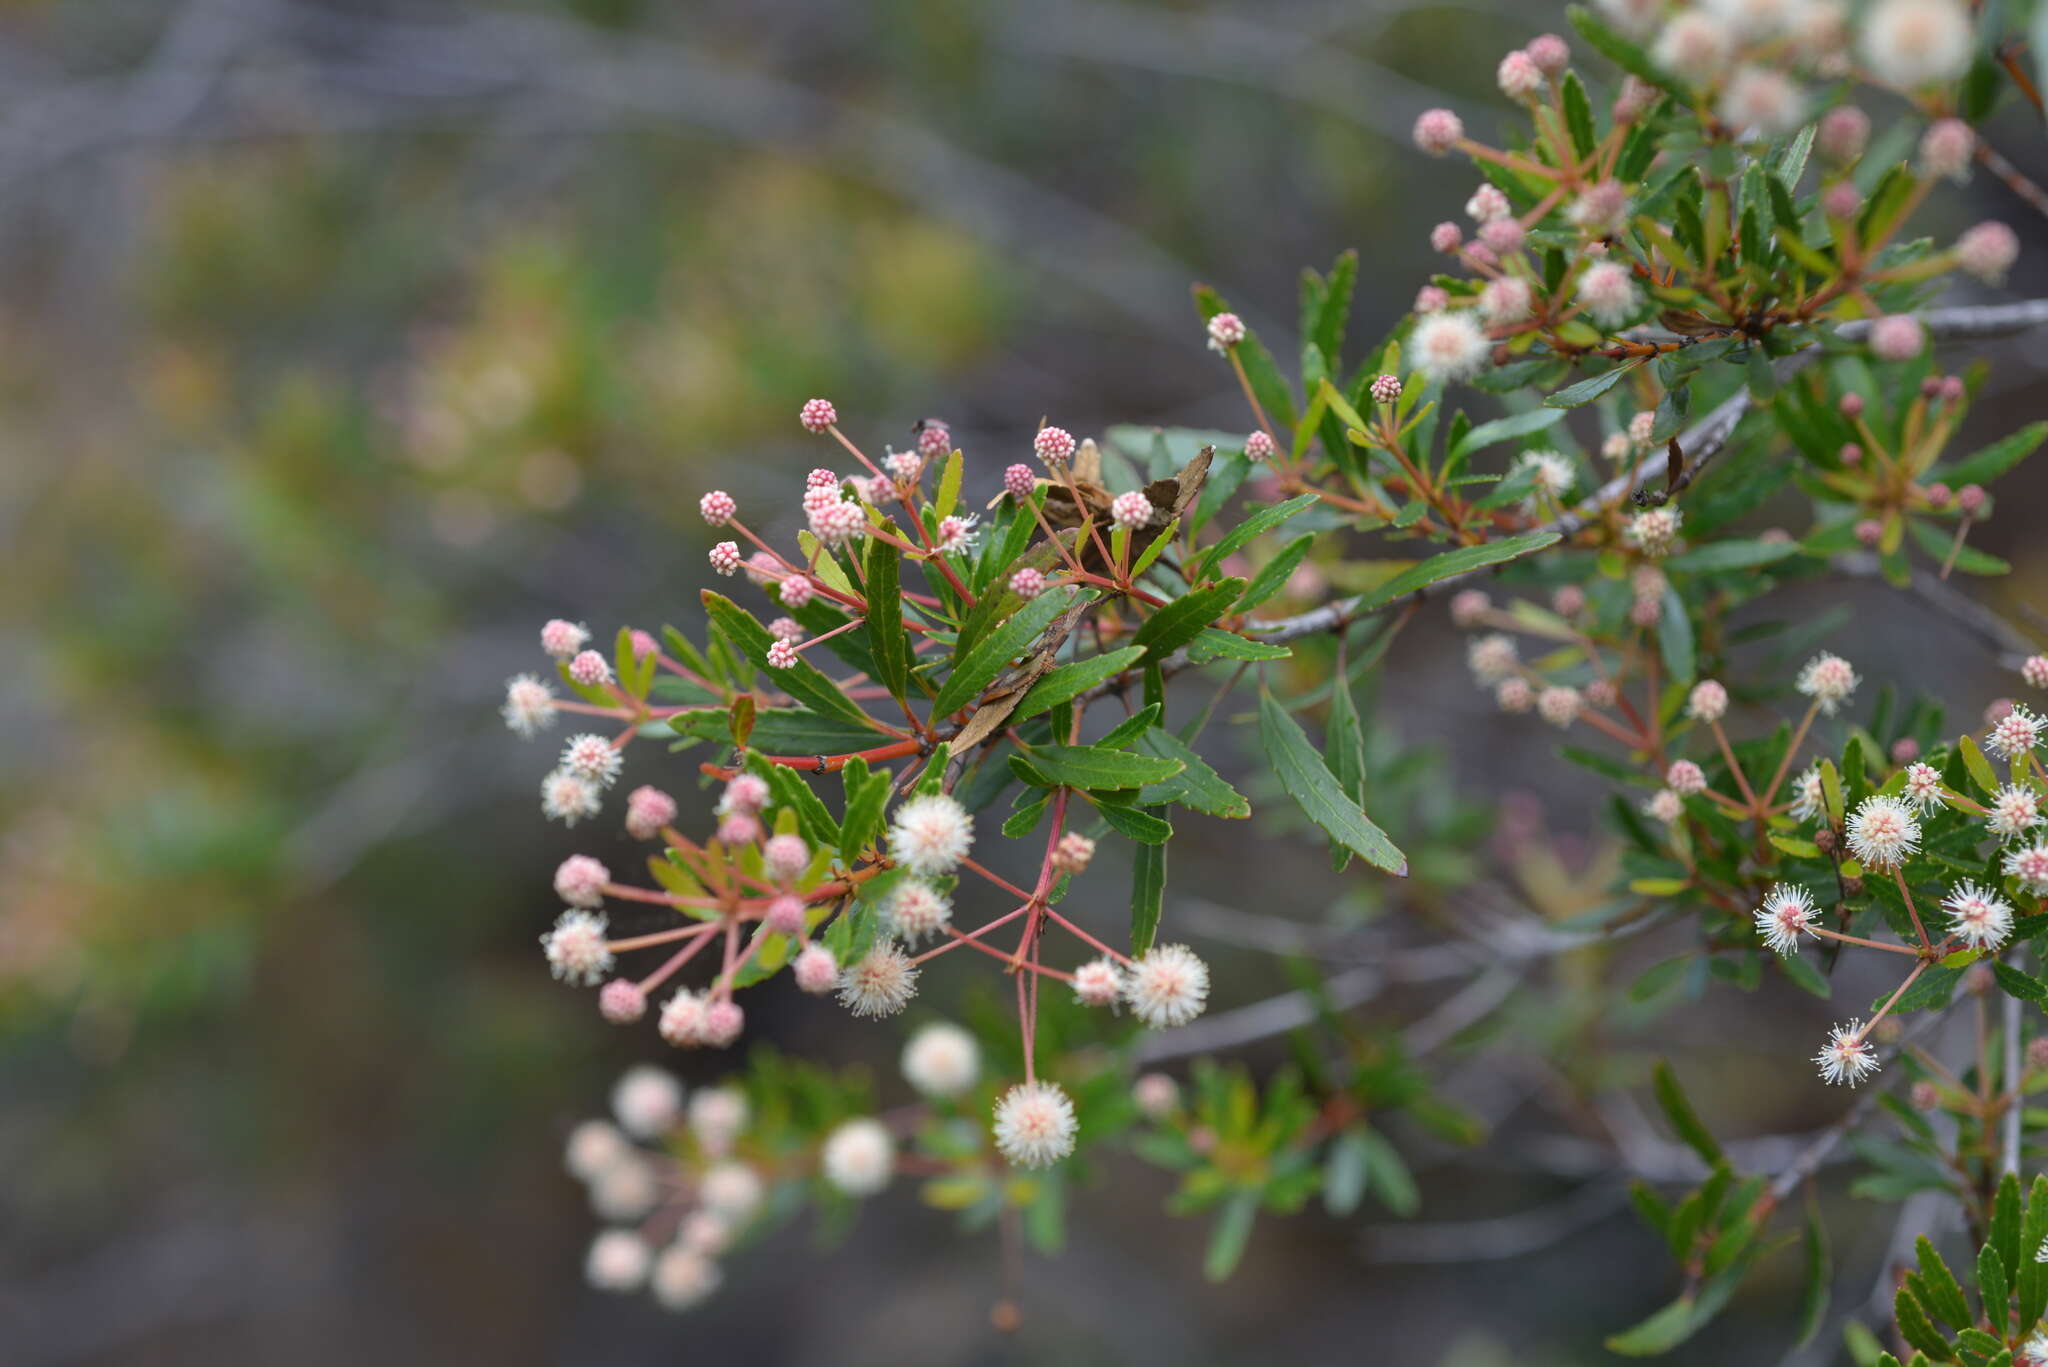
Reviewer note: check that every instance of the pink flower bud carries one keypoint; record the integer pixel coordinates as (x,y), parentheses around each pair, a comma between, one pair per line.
(1468,606)
(1841,200)
(1971,499)
(739,828)
(1226,330)
(1503,236)
(818,415)
(816,971)
(1905,750)
(1053,444)
(1027,583)
(647,811)
(785,916)
(1851,406)
(2035,671)
(725,558)
(782,655)
(1446,237)
(796,591)
(1432,299)
(1019,481)
(1386,388)
(1946,148)
(1438,131)
(1550,53)
(1568,601)
(621,1002)
(1938,495)
(1897,337)
(590,669)
(717,507)
(1518,75)
(723,1021)
(1869,531)
(934,439)
(562,639)
(1844,133)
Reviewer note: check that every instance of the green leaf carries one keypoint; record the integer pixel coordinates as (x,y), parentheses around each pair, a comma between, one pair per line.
(1197,785)
(1389,1175)
(1070,681)
(1941,1292)
(1088,766)
(1232,1230)
(1217,644)
(1274,574)
(1979,767)
(1813,1301)
(887,638)
(1344,1173)
(1995,459)
(1590,388)
(1455,562)
(1674,638)
(1257,524)
(1309,782)
(2018,984)
(1578,115)
(1502,429)
(1180,621)
(2005,1222)
(801,681)
(1731,555)
(2033,1278)
(949,486)
(1148,893)
(993,653)
(1992,1289)
(866,797)
(1615,48)
(1915,1328)
(779,731)
(1685,1122)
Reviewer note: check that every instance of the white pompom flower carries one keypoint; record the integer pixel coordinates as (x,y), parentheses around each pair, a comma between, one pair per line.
(931,835)
(1035,1124)
(941,1060)
(860,1157)
(1167,985)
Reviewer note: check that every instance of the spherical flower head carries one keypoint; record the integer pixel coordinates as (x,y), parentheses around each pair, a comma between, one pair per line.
(681,1022)
(1601,209)
(796,591)
(817,415)
(529,706)
(1829,680)
(621,1002)
(1550,53)
(1034,1124)
(594,1148)
(723,1022)
(576,948)
(1696,47)
(1468,606)
(1665,806)
(1897,337)
(717,1115)
(1438,131)
(745,794)
(1432,299)
(580,880)
(1755,20)
(569,798)
(1882,832)
(786,629)
(562,639)
(1558,705)
(1646,612)
(1869,531)
(1568,601)
(1167,985)
(1492,657)
(763,570)
(1226,330)
(784,916)
(1487,204)
(941,1060)
(955,534)
(1762,100)
(1131,510)
(647,1100)
(1446,237)
(1809,796)
(590,669)
(1970,499)
(1708,701)
(617,1261)
(1506,300)
(590,756)
(1385,388)
(1156,1096)
(1905,750)
(838,523)
(931,835)
(1018,481)
(1514,695)
(1946,148)
(1787,913)
(1518,76)
(784,856)
(1987,251)
(732,1191)
(683,1279)
(1027,583)
(1053,444)
(626,1190)
(907,465)
(859,1157)
(741,828)
(2015,733)
(1098,983)
(717,507)
(880,983)
(1608,293)
(1843,134)
(1072,853)
(1915,43)
(2035,671)
(1617,447)
(1634,100)
(1847,1057)
(725,558)
(1641,427)
(816,971)
(1551,474)
(1259,446)
(2029,864)
(918,910)
(1685,778)
(2014,811)
(1449,346)
(1601,693)
(704,1234)
(1652,530)
(1923,787)
(1979,917)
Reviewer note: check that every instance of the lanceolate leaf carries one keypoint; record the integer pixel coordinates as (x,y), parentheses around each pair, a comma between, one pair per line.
(1069,681)
(1148,894)
(1088,766)
(1309,782)
(989,655)
(1197,785)
(1180,621)
(891,644)
(801,681)
(1456,562)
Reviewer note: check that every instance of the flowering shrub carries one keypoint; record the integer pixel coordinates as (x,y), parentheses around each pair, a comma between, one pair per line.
(1690,291)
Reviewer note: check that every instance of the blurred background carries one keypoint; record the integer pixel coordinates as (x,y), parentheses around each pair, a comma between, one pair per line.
(341,344)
